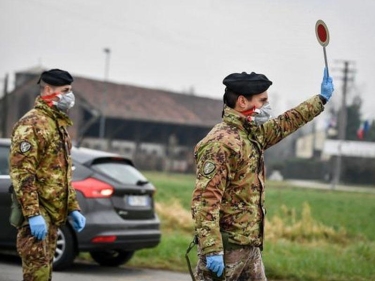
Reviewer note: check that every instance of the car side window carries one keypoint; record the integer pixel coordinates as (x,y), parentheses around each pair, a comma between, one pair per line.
(123,173)
(4,166)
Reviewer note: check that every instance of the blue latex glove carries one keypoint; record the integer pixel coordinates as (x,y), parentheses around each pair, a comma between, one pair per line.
(38,227)
(215,264)
(79,220)
(327,86)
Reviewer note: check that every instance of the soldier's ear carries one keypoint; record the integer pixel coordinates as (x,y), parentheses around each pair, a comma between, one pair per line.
(241,102)
(47,90)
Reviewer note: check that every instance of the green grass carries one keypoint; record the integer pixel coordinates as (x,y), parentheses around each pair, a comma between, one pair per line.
(352,210)
(168,255)
(292,261)
(172,186)
(310,234)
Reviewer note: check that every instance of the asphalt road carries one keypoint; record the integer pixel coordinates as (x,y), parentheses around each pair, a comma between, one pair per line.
(10,270)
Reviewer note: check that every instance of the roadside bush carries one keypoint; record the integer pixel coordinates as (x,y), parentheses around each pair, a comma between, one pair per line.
(305,230)
(284,227)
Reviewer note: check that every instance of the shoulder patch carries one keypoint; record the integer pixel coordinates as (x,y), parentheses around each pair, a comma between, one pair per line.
(25,146)
(208,168)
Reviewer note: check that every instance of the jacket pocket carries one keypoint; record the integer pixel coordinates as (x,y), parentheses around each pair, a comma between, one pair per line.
(16,217)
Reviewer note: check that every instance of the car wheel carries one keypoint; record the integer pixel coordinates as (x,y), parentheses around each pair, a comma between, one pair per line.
(65,249)
(112,257)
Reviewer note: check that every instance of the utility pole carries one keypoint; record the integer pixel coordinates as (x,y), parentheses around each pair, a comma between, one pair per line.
(4,109)
(342,124)
(104,99)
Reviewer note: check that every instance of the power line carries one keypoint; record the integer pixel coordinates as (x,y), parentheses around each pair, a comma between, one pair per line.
(342,122)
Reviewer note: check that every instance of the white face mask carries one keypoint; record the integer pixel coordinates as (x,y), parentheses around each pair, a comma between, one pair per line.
(65,102)
(263,114)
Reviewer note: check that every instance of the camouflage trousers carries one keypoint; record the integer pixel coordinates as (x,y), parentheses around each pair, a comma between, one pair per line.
(243,264)
(37,255)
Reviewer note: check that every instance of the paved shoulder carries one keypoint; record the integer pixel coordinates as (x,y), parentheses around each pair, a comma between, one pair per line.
(329,186)
(90,272)
(11,270)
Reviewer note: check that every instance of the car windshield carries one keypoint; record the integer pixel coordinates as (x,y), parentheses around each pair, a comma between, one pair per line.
(121,172)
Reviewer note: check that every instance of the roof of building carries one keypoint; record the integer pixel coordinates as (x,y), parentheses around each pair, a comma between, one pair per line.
(134,102)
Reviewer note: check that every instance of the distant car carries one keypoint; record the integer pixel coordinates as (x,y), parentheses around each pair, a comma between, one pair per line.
(116,199)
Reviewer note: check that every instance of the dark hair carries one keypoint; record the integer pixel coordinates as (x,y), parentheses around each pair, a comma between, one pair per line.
(230,98)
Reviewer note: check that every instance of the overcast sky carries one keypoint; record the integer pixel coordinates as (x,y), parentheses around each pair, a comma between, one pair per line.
(191,45)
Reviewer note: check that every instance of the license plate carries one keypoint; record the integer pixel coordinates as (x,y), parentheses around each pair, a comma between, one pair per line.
(138,200)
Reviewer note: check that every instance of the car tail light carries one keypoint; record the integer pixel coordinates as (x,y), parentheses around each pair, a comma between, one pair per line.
(104,239)
(93,188)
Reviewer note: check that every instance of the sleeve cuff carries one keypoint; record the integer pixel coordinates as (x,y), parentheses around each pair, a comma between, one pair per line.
(323,99)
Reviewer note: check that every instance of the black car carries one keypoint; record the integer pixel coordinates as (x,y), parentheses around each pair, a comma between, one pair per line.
(116,199)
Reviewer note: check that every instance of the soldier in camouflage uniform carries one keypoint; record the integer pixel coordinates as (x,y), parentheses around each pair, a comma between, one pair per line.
(41,171)
(228,199)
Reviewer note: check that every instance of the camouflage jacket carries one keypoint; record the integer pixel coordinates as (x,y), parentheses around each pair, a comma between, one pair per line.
(41,165)
(229,192)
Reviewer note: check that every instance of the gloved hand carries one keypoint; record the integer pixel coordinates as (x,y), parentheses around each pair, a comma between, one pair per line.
(326,88)
(79,220)
(38,227)
(216,264)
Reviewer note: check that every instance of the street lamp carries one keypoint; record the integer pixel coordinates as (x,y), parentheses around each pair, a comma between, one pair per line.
(107,51)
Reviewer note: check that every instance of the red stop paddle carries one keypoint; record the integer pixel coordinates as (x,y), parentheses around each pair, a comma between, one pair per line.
(322,34)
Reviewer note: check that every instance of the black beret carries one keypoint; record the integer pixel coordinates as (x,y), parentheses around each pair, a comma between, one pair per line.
(247,84)
(56,77)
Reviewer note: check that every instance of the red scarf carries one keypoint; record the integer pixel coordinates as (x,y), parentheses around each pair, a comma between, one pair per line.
(248,112)
(49,99)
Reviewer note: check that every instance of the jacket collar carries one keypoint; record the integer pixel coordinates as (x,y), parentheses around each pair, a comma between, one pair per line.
(235,118)
(60,117)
